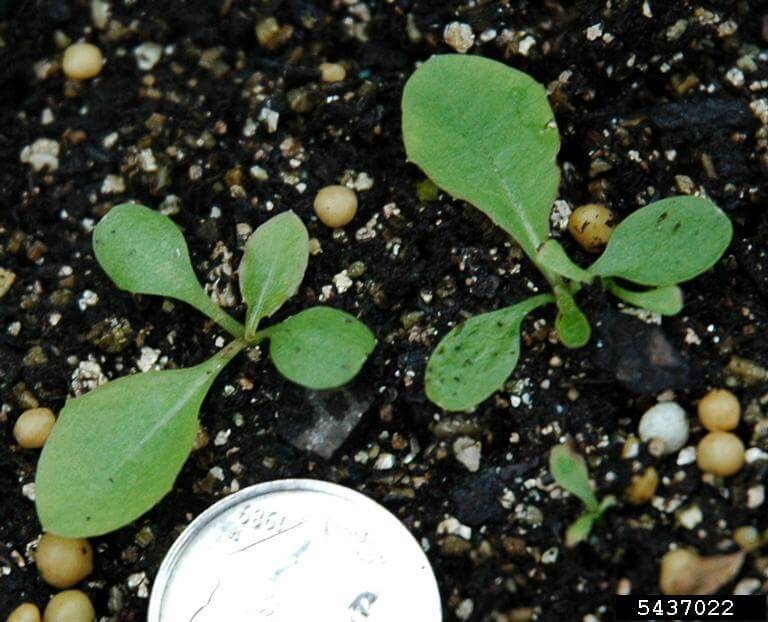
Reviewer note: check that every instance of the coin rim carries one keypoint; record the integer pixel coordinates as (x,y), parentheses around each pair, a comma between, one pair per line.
(165,574)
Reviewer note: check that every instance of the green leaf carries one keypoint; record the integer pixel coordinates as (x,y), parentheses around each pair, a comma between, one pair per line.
(475,359)
(580,529)
(667,242)
(664,300)
(320,348)
(485,133)
(606,503)
(116,451)
(273,266)
(552,255)
(570,471)
(571,324)
(144,252)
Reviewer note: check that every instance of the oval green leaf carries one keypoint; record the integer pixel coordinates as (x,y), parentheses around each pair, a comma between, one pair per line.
(116,451)
(475,359)
(570,471)
(667,242)
(571,324)
(485,133)
(320,348)
(273,266)
(664,300)
(144,252)
(580,529)
(552,256)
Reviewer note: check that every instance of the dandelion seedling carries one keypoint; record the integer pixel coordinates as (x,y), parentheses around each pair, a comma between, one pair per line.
(485,133)
(570,472)
(117,450)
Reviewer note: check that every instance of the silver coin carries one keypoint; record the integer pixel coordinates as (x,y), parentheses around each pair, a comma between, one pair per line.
(294,550)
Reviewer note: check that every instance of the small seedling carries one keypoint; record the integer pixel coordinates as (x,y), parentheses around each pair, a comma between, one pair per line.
(116,451)
(570,471)
(485,133)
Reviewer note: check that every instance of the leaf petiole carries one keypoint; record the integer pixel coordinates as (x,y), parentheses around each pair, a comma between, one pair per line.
(205,305)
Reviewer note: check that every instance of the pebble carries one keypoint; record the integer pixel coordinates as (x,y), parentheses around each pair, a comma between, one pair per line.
(171,205)
(147,55)
(270,34)
(452,526)
(748,538)
(668,422)
(33,427)
(111,334)
(258,173)
(332,72)
(465,609)
(454,546)
(591,226)
(755,454)
(459,36)
(631,448)
(749,372)
(113,184)
(720,453)
(145,537)
(687,455)
(747,586)
(270,118)
(7,279)
(138,583)
(63,562)
(342,282)
(100,13)
(674,571)
(526,614)
(384,462)
(41,154)
(643,487)
(335,206)
(719,410)
(690,516)
(468,452)
(86,377)
(69,606)
(684,571)
(82,61)
(25,613)
(755,496)
(29,491)
(550,555)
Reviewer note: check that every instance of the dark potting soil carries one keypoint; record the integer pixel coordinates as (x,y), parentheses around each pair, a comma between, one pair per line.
(652,99)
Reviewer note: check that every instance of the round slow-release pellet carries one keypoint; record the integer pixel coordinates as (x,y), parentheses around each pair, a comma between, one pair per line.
(335,206)
(591,226)
(33,427)
(720,453)
(63,562)
(675,575)
(296,550)
(719,410)
(27,612)
(69,606)
(82,61)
